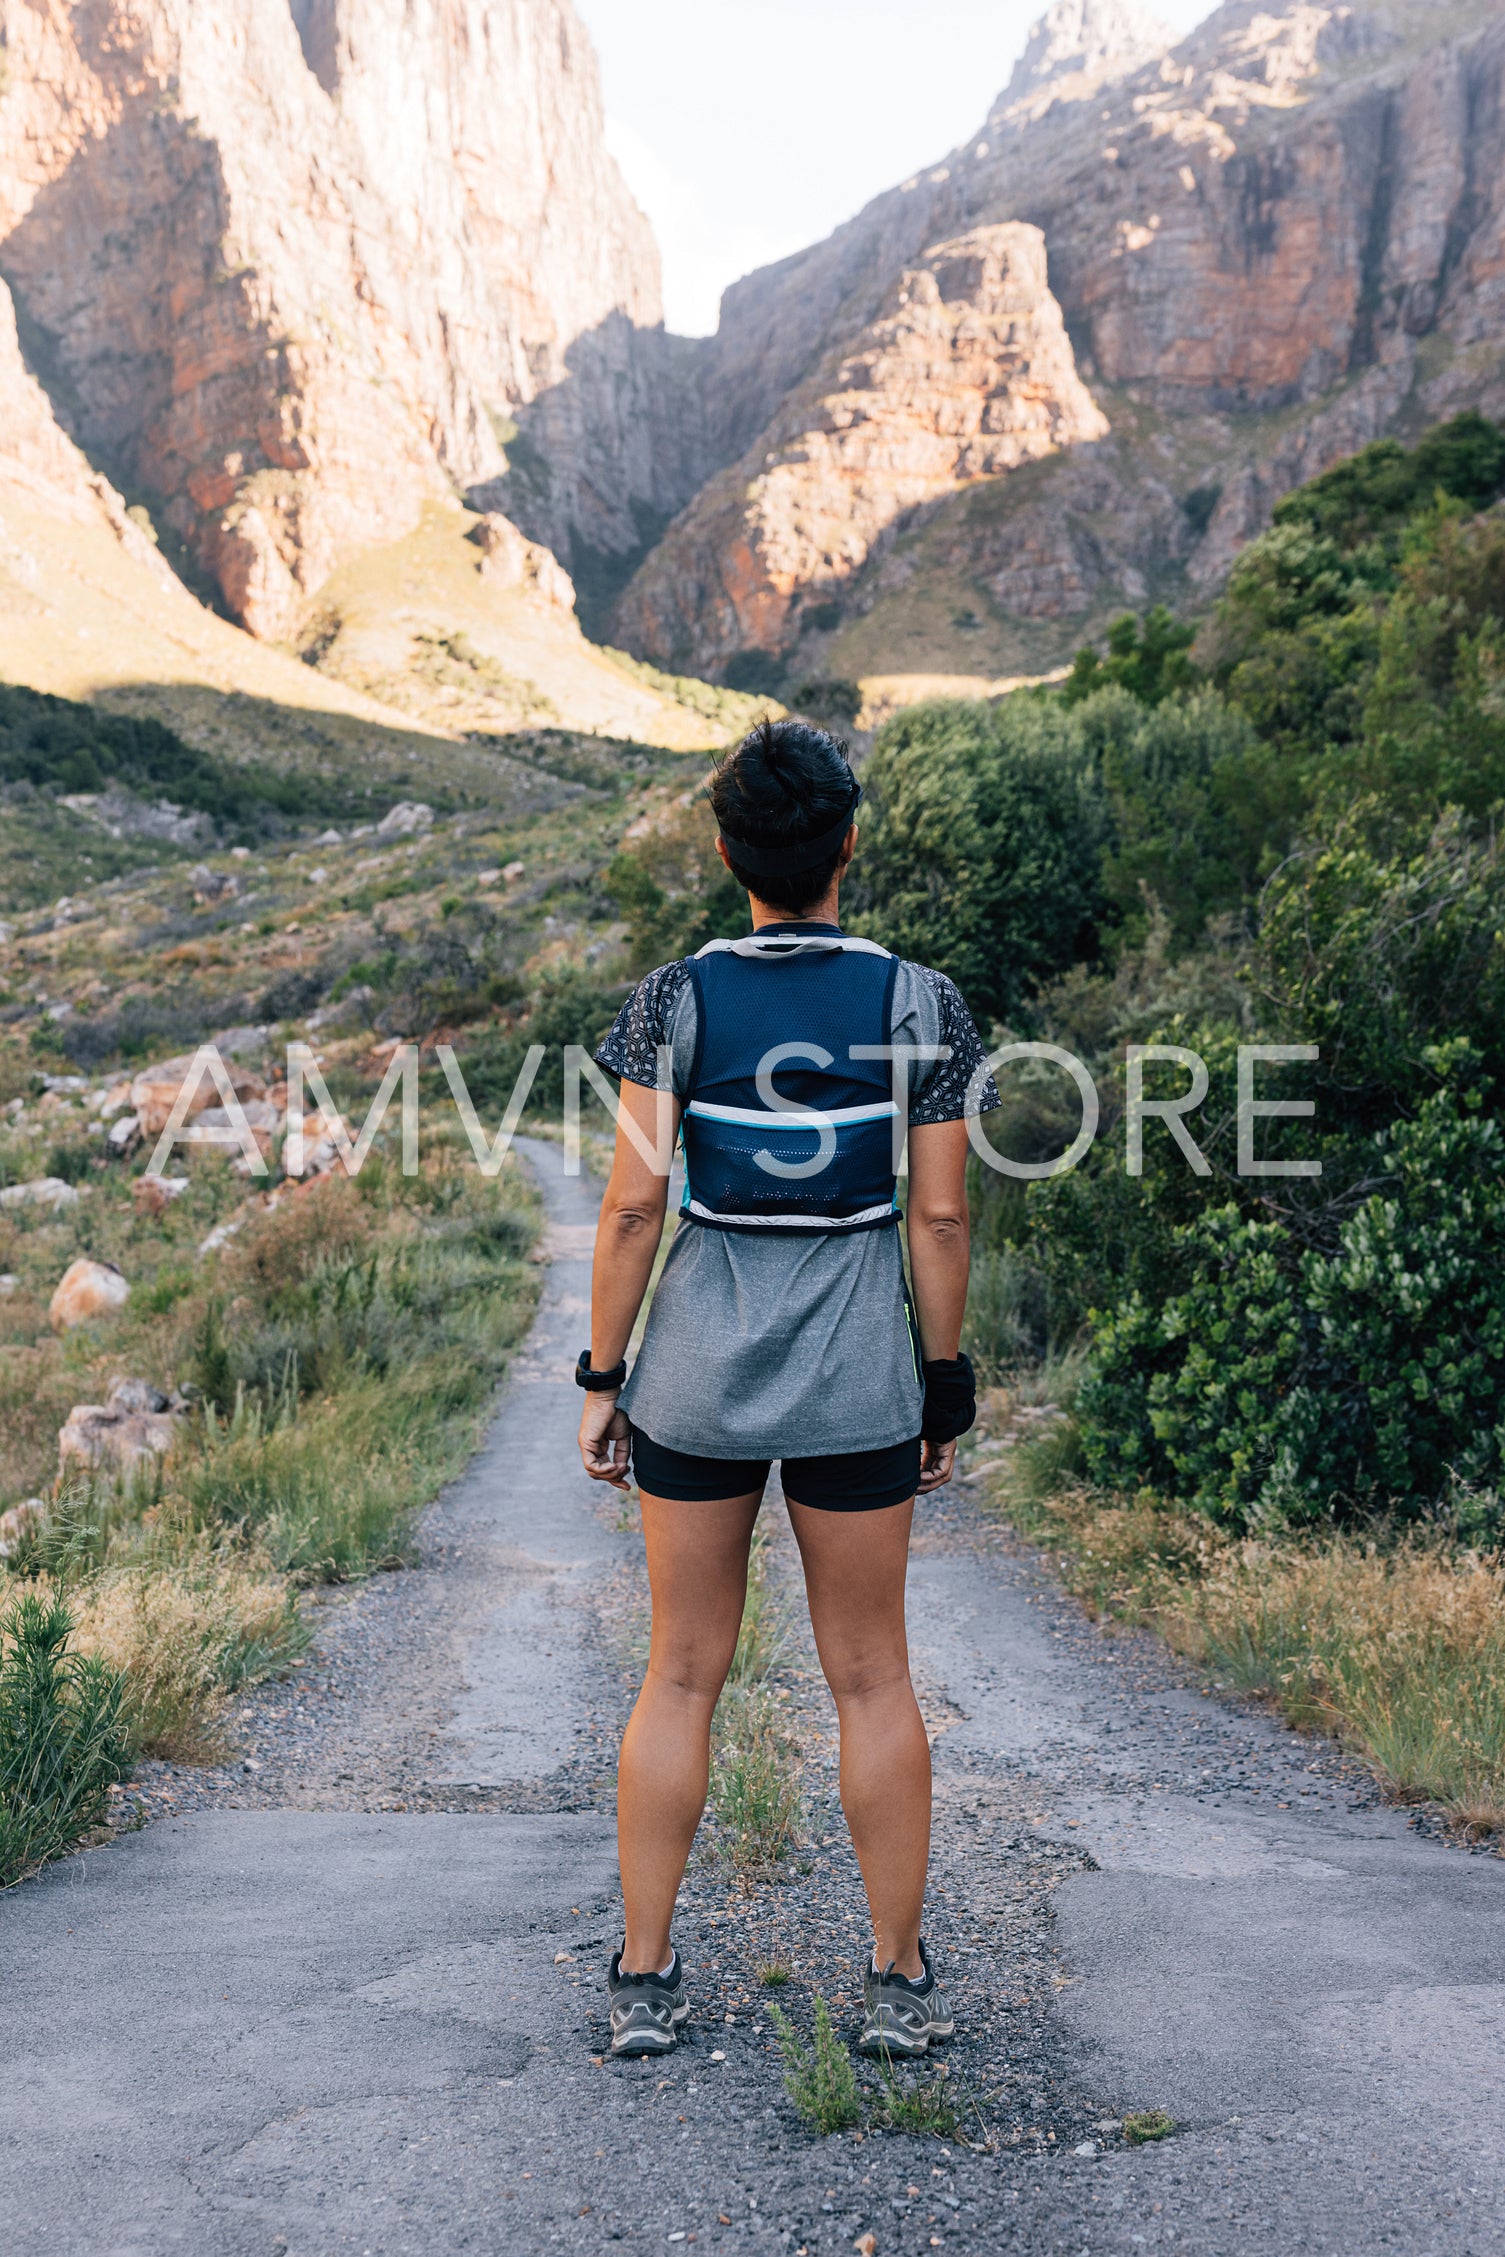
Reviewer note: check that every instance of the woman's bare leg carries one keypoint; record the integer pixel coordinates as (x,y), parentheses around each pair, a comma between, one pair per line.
(697,1571)
(855,1566)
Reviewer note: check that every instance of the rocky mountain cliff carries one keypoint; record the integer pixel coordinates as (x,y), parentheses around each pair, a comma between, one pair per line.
(289,268)
(965,373)
(1269,244)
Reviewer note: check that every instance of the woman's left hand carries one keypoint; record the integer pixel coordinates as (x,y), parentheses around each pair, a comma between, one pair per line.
(605,1440)
(936,1462)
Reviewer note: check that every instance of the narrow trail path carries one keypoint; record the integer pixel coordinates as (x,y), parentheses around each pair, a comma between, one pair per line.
(345,1995)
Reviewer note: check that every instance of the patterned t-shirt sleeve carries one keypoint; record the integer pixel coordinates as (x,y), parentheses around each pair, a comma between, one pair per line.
(641,1027)
(945,1091)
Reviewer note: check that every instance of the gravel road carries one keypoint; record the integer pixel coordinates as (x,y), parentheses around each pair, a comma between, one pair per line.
(345,1993)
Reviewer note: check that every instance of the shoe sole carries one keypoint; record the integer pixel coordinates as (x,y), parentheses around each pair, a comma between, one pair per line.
(652,2041)
(643,2041)
(909,2049)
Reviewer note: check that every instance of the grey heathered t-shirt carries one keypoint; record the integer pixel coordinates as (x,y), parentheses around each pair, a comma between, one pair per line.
(783,1347)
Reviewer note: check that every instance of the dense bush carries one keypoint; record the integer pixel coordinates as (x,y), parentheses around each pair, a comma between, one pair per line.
(1292,1385)
(62,1741)
(1300,845)
(564,1009)
(982,844)
(674,890)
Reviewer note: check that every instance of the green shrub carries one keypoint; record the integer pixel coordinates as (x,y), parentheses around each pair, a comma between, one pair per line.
(1375,491)
(1150,666)
(1194,801)
(674,890)
(57,745)
(1385,959)
(1292,1385)
(567,1008)
(982,845)
(62,1741)
(821,2081)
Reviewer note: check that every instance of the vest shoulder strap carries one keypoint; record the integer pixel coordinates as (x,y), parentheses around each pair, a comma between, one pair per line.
(780,946)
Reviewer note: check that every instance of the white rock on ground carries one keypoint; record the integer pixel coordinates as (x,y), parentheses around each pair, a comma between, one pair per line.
(46,1191)
(20,1522)
(407,816)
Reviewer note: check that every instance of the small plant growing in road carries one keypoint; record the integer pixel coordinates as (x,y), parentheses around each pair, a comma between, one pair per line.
(62,1741)
(923,2106)
(774,1975)
(821,2080)
(1151,2123)
(755,1785)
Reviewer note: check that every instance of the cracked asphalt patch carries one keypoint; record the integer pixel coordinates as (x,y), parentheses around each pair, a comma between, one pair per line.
(350,1999)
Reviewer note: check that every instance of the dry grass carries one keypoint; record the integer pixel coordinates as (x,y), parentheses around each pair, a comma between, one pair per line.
(1400,1655)
(1397,1651)
(185,1623)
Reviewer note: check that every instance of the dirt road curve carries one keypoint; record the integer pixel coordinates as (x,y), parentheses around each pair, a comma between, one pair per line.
(348,2000)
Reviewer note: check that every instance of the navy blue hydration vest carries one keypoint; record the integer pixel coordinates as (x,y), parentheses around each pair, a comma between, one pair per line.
(784,1130)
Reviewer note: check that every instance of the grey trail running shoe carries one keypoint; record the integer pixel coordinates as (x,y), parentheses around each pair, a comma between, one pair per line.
(646,2010)
(904,2015)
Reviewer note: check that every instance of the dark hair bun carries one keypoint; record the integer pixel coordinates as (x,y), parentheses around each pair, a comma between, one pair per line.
(786,784)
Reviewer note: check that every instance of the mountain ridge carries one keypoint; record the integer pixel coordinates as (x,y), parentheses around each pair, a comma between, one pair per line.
(1271,243)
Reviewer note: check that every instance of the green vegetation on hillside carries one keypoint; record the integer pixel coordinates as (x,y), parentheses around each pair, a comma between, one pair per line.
(1282,832)
(1266,1407)
(59,747)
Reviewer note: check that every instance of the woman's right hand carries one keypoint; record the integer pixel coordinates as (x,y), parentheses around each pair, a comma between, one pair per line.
(605,1440)
(936,1462)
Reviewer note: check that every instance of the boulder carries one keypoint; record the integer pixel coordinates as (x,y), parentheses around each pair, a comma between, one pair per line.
(407,816)
(87,1289)
(122,1134)
(242,1041)
(155,1090)
(261,1118)
(134,1429)
(46,1191)
(212,885)
(130,1396)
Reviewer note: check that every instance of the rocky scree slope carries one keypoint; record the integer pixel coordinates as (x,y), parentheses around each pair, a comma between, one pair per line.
(1270,243)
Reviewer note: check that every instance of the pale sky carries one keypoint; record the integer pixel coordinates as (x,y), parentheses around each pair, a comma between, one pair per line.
(749,128)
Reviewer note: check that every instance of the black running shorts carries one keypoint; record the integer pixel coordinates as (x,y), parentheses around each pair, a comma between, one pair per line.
(854,1481)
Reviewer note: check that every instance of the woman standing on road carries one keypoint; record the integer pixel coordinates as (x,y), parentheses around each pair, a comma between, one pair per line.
(782,1328)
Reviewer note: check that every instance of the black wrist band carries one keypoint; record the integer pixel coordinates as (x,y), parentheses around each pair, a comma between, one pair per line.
(598,1382)
(950,1398)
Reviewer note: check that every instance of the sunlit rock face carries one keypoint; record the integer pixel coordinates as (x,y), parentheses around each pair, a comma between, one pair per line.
(965,373)
(288,272)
